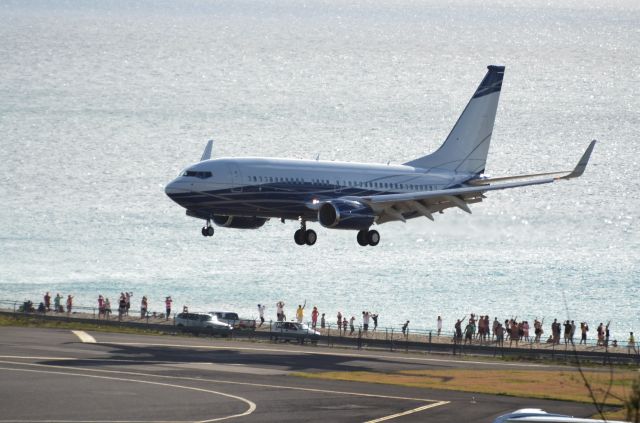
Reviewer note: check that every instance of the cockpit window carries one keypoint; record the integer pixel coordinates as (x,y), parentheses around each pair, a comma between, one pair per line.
(196,174)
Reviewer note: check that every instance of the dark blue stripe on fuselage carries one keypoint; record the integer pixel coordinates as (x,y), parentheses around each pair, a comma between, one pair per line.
(268,200)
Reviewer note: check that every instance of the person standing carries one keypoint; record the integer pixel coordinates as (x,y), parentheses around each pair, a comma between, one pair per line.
(100,306)
(468,332)
(167,304)
(143,307)
(69,303)
(56,303)
(261,308)
(314,317)
(107,308)
(439,325)
(300,312)
(458,329)
(352,326)
(584,328)
(47,301)
(374,317)
(499,333)
(122,306)
(280,311)
(127,298)
(339,321)
(322,322)
(631,344)
(405,328)
(365,321)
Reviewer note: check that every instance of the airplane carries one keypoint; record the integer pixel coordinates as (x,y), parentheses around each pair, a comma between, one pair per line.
(244,193)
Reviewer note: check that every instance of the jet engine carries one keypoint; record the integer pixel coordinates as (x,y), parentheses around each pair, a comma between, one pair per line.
(239,222)
(345,214)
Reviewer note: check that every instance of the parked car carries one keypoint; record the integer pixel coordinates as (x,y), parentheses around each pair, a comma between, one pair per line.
(202,322)
(294,331)
(234,320)
(531,415)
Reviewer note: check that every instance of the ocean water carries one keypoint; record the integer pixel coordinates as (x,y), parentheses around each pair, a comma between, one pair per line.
(103,103)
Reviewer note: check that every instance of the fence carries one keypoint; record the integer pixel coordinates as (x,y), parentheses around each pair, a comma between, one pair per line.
(383,338)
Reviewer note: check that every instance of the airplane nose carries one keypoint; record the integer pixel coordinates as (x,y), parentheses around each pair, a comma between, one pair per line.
(174,187)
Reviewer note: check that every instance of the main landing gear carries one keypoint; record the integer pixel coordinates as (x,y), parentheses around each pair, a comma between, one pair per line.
(207,230)
(371,237)
(305,236)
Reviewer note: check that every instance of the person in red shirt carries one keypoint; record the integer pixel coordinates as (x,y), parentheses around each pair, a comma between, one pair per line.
(314,317)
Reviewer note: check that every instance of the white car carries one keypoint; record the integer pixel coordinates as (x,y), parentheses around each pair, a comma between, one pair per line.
(530,415)
(234,320)
(292,330)
(202,322)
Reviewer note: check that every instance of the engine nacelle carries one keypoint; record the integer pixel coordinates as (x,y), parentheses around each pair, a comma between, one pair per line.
(239,222)
(345,214)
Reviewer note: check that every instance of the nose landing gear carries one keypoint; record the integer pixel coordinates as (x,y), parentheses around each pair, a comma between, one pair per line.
(207,230)
(305,236)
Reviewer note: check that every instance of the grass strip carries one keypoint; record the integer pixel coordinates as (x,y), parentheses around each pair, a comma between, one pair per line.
(564,385)
(29,321)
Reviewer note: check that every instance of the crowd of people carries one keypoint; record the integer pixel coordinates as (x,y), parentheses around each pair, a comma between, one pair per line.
(45,305)
(478,329)
(343,323)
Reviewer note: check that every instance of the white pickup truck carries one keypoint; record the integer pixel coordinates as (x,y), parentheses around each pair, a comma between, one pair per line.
(233,319)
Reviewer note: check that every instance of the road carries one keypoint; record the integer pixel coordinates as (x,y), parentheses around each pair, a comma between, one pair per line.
(57,375)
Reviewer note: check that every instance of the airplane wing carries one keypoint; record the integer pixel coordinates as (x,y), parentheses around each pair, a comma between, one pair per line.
(390,207)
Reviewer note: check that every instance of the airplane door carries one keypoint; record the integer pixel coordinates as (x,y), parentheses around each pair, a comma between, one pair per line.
(236,177)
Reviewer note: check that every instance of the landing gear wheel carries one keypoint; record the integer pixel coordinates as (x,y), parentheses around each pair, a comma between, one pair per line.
(362,238)
(310,237)
(204,231)
(373,237)
(299,236)
(210,231)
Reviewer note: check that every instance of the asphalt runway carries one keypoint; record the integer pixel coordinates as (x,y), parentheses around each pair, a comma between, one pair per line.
(59,376)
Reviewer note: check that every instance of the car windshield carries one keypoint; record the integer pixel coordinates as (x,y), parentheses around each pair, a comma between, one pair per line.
(205,318)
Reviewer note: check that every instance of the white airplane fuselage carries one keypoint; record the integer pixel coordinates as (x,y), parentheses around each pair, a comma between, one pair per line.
(286,188)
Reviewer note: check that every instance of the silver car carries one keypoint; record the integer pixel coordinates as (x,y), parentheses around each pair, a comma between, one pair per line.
(202,323)
(294,331)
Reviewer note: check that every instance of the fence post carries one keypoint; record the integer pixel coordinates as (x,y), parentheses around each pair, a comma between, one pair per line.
(429,342)
(359,339)
(328,335)
(391,344)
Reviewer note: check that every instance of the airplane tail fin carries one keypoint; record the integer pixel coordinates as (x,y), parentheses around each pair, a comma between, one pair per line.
(465,149)
(206,154)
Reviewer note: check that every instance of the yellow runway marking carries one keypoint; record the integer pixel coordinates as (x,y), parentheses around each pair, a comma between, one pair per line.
(84,337)
(405,413)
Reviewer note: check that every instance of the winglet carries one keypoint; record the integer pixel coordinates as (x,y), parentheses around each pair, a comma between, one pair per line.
(206,154)
(582,164)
